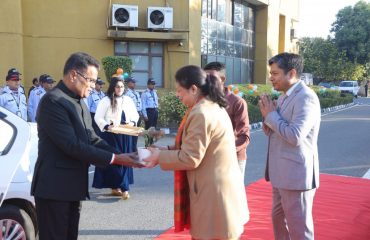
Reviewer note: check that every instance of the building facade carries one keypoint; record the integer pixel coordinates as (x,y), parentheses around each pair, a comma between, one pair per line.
(37,36)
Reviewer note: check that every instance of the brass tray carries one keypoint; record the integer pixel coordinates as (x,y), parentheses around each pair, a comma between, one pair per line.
(127,130)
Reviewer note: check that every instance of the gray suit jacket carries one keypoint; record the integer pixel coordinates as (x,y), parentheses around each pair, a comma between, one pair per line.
(292,161)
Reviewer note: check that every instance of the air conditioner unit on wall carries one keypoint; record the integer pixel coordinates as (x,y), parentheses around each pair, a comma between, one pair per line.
(160,18)
(124,16)
(293,34)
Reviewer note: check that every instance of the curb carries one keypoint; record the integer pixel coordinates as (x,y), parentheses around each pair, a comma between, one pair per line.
(335,108)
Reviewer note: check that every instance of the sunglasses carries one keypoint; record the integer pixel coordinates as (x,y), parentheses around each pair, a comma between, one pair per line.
(119,86)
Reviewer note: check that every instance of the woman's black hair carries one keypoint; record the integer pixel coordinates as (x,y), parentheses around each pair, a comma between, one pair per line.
(209,84)
(111,92)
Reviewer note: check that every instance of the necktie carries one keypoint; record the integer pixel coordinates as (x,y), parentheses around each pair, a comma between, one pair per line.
(151,93)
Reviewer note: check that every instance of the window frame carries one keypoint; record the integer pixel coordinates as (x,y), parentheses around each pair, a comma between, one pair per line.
(12,139)
(149,54)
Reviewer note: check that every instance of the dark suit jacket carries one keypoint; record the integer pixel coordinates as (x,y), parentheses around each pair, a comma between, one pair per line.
(67,146)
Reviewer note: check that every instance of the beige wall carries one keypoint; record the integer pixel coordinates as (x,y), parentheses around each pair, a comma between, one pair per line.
(11,41)
(37,36)
(273,25)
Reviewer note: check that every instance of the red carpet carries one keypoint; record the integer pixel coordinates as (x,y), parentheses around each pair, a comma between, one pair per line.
(341,210)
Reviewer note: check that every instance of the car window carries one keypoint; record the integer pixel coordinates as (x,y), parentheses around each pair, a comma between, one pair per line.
(346,84)
(7,136)
(323,84)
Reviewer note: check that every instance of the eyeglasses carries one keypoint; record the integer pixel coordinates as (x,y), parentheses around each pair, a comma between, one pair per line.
(119,86)
(92,80)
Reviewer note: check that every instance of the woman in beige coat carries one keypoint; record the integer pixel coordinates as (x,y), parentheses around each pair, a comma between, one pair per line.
(206,153)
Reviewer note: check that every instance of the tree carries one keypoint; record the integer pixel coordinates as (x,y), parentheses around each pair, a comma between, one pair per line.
(352,32)
(325,62)
(321,58)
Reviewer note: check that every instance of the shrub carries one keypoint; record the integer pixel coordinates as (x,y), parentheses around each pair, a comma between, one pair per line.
(112,63)
(331,102)
(254,114)
(171,110)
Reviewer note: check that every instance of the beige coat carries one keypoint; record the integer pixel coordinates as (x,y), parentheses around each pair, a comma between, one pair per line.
(218,203)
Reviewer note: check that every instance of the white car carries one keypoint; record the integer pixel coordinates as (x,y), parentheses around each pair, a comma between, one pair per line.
(349,87)
(18,153)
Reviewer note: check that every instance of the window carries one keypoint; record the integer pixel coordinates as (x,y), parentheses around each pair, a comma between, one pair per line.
(7,136)
(147,60)
(228,36)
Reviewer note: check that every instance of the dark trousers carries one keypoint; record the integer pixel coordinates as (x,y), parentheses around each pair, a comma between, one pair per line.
(152,117)
(57,220)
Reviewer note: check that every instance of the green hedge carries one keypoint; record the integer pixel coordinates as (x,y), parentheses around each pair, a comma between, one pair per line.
(254,113)
(171,110)
(112,63)
(331,102)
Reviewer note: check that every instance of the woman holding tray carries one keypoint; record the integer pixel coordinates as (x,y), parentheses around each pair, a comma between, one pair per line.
(113,110)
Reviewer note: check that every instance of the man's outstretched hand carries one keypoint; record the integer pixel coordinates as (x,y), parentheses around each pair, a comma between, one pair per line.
(128,160)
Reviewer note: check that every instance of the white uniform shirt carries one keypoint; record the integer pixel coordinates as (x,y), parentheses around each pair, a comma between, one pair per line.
(149,99)
(14,101)
(135,96)
(33,102)
(104,114)
(94,99)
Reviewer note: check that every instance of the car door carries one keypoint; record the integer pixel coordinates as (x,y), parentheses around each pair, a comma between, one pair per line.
(15,134)
(355,88)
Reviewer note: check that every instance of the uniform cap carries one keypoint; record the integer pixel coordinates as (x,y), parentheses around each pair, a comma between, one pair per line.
(131,79)
(151,81)
(12,77)
(42,77)
(100,81)
(13,74)
(13,71)
(49,79)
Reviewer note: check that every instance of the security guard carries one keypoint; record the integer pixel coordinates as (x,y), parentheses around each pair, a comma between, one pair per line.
(149,99)
(92,101)
(46,83)
(12,97)
(135,96)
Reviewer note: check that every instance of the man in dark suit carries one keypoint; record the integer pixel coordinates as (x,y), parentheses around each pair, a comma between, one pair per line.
(67,146)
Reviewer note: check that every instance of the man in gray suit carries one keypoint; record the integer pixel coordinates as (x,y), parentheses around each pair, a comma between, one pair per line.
(292,126)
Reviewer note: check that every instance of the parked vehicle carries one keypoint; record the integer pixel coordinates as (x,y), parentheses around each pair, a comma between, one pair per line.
(307,78)
(328,85)
(349,87)
(325,85)
(18,153)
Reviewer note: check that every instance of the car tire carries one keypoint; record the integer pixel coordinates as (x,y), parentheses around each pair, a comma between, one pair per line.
(17,216)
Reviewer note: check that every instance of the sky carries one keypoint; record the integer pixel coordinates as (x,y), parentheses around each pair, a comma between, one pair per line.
(316,16)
